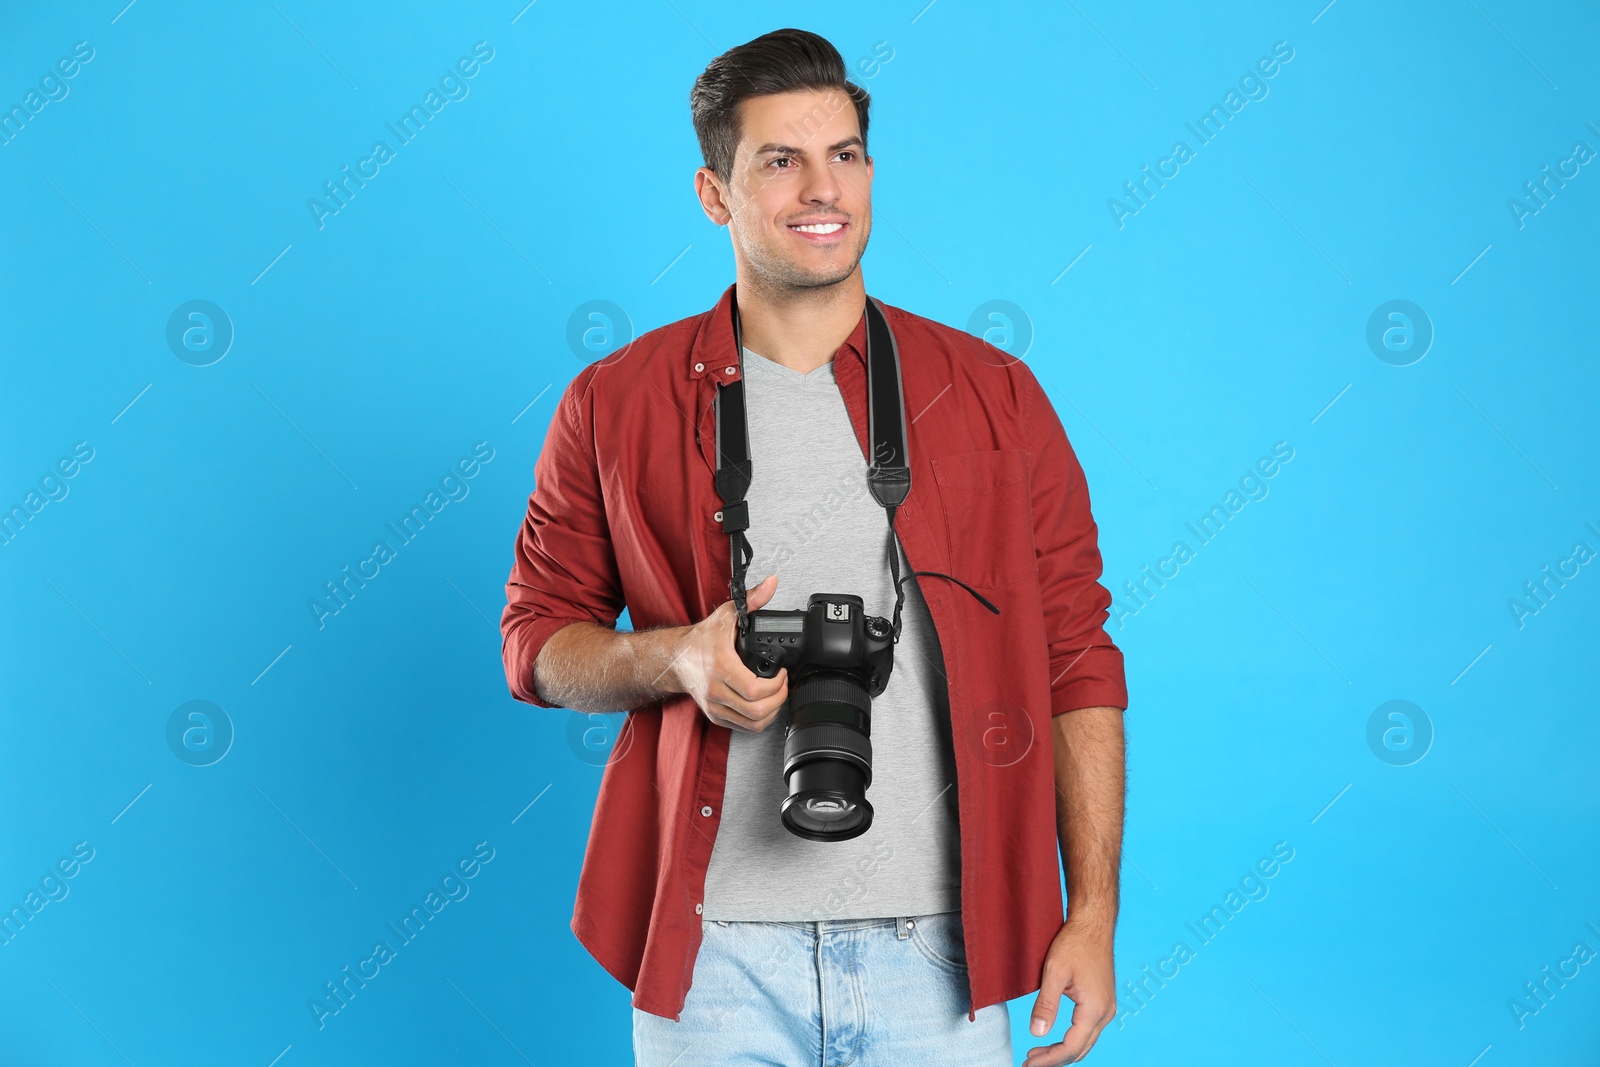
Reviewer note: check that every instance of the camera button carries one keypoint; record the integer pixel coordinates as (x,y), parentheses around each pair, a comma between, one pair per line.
(706,811)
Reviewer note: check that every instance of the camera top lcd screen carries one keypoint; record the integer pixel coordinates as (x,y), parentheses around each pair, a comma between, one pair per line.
(791,624)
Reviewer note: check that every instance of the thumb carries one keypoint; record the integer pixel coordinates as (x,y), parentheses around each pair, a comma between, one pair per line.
(1045,1006)
(761,592)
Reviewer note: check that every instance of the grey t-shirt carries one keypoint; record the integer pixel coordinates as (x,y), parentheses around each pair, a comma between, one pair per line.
(814,521)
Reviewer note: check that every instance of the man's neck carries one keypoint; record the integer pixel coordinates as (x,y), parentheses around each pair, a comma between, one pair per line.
(800,329)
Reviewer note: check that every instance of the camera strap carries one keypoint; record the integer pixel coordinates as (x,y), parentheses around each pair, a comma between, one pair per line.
(888,473)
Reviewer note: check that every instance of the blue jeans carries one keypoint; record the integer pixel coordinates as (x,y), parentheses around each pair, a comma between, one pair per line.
(856,992)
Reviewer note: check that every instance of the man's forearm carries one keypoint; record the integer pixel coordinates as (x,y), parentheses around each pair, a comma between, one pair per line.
(1090,781)
(588,667)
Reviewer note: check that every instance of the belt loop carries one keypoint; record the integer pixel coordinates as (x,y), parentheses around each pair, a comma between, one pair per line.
(901,930)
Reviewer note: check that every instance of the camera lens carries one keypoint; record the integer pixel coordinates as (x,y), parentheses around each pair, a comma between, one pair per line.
(828,758)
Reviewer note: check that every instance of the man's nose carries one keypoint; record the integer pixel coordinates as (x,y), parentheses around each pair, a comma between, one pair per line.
(822,187)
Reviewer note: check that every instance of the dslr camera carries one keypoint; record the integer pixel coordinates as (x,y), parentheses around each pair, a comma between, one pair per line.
(839,658)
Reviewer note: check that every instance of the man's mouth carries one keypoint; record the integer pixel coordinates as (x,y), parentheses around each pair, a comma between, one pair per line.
(818,231)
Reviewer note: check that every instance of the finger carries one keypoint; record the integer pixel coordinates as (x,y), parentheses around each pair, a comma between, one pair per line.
(738,720)
(722,715)
(757,595)
(748,715)
(761,724)
(1045,1006)
(760,710)
(746,684)
(1046,1056)
(1080,1036)
(732,723)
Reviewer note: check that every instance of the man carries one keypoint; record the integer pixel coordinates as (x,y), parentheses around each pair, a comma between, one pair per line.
(999,734)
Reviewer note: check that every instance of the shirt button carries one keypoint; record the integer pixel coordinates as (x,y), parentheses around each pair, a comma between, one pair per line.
(698,367)
(699,909)
(717,515)
(706,811)
(727,370)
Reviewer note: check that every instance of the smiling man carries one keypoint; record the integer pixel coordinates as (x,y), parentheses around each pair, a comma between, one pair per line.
(997,738)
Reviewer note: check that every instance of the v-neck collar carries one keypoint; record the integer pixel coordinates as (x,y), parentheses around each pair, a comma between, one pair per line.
(825,371)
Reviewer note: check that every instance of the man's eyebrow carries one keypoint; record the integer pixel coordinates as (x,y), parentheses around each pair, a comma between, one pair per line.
(792,151)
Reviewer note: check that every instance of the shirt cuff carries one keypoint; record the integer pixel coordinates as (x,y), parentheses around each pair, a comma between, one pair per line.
(1094,679)
(522,650)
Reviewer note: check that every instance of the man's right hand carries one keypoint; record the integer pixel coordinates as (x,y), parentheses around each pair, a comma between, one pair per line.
(709,669)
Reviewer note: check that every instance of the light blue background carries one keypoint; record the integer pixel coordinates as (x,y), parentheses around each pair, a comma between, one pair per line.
(432,313)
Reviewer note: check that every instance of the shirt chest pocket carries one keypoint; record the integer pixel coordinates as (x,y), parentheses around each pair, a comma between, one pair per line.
(988,515)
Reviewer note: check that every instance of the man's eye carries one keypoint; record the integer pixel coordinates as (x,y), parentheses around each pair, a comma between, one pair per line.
(848,155)
(783,159)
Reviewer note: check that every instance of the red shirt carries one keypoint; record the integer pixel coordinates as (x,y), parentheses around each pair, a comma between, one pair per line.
(624,512)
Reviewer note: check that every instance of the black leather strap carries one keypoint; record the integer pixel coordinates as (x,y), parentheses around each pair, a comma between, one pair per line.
(733,474)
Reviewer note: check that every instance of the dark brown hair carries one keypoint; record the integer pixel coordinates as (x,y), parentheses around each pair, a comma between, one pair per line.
(783,61)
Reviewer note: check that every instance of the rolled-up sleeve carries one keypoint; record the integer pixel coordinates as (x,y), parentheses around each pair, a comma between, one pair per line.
(1086,668)
(564,570)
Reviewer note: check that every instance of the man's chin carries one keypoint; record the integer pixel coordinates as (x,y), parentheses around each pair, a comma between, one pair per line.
(837,277)
(791,276)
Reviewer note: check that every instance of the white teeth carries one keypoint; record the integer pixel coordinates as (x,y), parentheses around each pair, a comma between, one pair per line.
(823,227)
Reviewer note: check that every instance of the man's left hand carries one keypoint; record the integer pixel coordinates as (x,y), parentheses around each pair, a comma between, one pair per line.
(1078,964)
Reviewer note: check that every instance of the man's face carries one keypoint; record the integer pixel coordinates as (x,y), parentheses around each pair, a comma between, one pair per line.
(800,163)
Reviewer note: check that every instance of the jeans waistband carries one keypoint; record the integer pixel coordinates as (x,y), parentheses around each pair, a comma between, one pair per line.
(823,926)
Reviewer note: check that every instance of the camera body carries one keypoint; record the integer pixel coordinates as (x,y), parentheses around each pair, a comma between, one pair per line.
(832,632)
(838,658)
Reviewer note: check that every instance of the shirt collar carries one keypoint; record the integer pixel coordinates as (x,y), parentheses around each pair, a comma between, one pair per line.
(712,355)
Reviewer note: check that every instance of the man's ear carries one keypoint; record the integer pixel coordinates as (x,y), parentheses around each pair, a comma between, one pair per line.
(712,199)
